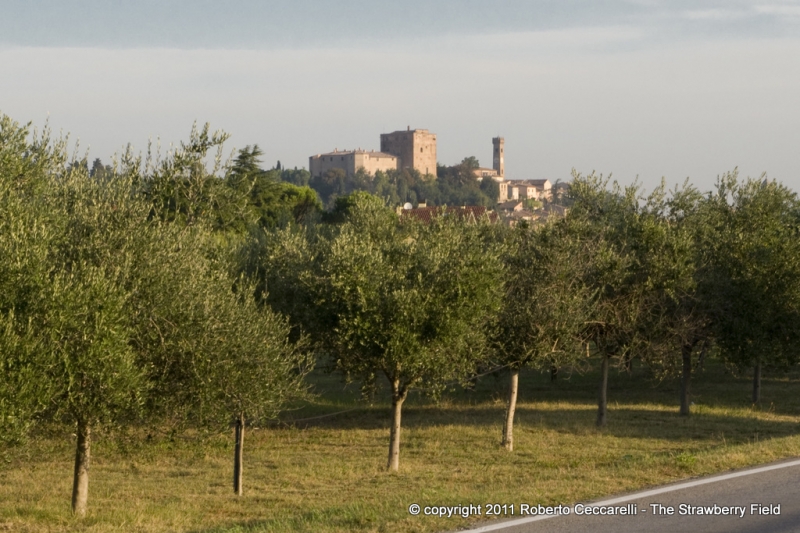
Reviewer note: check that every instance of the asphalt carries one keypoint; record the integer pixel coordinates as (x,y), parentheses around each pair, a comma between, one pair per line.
(769,501)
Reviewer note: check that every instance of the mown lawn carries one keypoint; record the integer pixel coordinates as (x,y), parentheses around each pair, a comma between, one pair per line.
(327,474)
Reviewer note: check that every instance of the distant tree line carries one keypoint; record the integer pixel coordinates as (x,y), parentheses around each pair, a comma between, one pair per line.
(452,185)
(165,292)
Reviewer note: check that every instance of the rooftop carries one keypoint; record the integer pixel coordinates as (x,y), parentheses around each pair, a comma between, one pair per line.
(427,214)
(371,153)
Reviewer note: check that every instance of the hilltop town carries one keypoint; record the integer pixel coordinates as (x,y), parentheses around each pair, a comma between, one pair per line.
(415,151)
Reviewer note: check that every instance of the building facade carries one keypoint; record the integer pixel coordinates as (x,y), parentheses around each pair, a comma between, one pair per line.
(350,161)
(526,189)
(413,148)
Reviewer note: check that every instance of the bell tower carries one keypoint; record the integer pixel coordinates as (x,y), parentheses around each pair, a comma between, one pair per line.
(498,157)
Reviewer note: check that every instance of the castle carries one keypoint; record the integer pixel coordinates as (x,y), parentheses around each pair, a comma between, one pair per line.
(401,149)
(416,149)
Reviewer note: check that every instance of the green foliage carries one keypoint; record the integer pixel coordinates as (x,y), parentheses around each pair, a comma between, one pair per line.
(268,201)
(753,281)
(23,392)
(408,300)
(91,366)
(279,261)
(182,189)
(330,185)
(230,199)
(471,162)
(455,185)
(547,299)
(299,177)
(676,314)
(611,218)
(100,171)
(117,300)
(27,231)
(210,352)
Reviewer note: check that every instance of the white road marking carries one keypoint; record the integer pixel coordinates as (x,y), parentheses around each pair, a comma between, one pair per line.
(638,495)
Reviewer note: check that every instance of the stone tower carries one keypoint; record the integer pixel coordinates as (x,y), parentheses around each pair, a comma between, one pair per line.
(498,158)
(414,149)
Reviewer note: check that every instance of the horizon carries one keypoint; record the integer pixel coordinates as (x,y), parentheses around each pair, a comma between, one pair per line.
(630,88)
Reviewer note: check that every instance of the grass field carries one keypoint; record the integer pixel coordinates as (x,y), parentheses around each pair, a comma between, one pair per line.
(327,474)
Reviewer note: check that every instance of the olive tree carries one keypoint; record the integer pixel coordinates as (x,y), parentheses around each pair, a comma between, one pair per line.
(616,219)
(82,312)
(26,231)
(754,278)
(110,314)
(64,332)
(677,314)
(406,299)
(545,303)
(212,354)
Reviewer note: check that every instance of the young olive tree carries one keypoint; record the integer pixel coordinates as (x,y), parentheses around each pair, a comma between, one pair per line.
(93,370)
(676,317)
(26,231)
(615,219)
(114,313)
(544,305)
(754,279)
(408,300)
(82,313)
(213,356)
(64,333)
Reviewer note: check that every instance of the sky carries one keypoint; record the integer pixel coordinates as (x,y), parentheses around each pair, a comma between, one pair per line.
(640,89)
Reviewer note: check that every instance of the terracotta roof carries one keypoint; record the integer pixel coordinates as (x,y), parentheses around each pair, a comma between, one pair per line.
(427,214)
(511,205)
(529,183)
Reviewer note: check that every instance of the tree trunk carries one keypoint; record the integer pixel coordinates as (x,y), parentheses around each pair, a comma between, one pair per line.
(80,480)
(398,397)
(757,382)
(237,455)
(603,399)
(686,354)
(701,360)
(508,430)
(553,372)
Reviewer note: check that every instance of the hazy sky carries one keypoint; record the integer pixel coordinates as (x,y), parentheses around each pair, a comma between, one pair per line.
(630,87)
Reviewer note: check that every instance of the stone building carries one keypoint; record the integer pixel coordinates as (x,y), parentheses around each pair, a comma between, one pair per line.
(414,149)
(483,172)
(350,161)
(401,149)
(498,157)
(526,189)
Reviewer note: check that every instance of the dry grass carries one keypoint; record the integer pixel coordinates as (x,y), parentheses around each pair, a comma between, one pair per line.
(328,474)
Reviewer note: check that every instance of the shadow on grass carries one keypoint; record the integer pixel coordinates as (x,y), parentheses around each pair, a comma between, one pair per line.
(352,517)
(623,421)
(714,386)
(572,398)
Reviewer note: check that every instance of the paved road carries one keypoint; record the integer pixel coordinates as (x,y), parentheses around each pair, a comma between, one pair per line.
(752,493)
